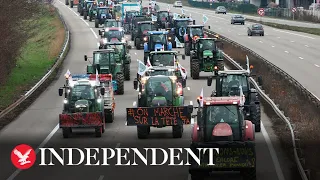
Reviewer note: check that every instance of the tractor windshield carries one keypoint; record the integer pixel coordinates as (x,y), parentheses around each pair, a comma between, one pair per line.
(119,48)
(182,24)
(103,11)
(222,114)
(163,72)
(114,34)
(103,58)
(162,59)
(111,24)
(144,28)
(158,39)
(145,10)
(82,92)
(89,5)
(159,91)
(163,16)
(197,31)
(231,83)
(207,45)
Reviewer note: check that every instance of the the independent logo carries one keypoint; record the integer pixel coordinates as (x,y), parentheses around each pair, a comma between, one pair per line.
(23,156)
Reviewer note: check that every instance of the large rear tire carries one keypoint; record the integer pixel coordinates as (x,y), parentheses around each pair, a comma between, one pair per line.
(137,42)
(96,23)
(127,72)
(255,114)
(109,117)
(195,69)
(120,83)
(67,2)
(98,131)
(187,49)
(85,15)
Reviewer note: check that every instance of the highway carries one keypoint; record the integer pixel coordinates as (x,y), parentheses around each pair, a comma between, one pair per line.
(295,53)
(274,20)
(37,126)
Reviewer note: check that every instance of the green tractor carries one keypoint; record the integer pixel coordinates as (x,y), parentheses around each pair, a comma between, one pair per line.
(92,13)
(227,84)
(169,59)
(122,52)
(83,105)
(206,57)
(158,94)
(107,61)
(87,6)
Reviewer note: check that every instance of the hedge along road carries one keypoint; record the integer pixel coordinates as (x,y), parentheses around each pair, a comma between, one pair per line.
(38,125)
(296,53)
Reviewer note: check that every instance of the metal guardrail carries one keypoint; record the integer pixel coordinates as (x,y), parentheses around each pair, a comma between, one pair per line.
(57,63)
(269,101)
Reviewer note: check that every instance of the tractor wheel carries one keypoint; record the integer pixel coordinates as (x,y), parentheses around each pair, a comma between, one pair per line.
(177,131)
(249,174)
(174,44)
(71,4)
(132,37)
(98,131)
(96,23)
(220,65)
(109,117)
(119,79)
(127,72)
(85,15)
(104,127)
(81,12)
(90,18)
(137,42)
(255,116)
(67,2)
(195,69)
(187,49)
(66,132)
(143,132)
(145,58)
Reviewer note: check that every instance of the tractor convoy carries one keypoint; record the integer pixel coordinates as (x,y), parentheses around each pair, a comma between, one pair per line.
(227,119)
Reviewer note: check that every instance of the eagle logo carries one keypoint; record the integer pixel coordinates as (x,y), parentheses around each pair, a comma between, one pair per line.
(23,156)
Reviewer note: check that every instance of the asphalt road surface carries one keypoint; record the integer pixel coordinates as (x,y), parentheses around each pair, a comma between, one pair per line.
(37,126)
(295,53)
(275,20)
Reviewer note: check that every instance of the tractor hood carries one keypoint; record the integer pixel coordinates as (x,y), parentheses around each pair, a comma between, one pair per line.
(158,47)
(104,70)
(207,53)
(82,106)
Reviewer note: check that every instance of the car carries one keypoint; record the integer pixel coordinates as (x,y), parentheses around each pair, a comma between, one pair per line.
(255,29)
(237,18)
(177,4)
(221,9)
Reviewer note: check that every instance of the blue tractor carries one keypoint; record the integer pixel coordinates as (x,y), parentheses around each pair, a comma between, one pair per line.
(178,30)
(103,13)
(156,41)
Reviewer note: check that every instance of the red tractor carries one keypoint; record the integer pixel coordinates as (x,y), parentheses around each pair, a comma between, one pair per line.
(221,124)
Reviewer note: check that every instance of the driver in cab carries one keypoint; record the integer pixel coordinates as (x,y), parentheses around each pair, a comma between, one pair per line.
(87,93)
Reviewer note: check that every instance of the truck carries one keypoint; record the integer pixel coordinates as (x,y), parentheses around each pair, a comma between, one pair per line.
(158,94)
(83,105)
(221,124)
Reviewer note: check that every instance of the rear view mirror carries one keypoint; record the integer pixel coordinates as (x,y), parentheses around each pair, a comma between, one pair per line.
(102,91)
(60,91)
(85,57)
(209,81)
(183,57)
(135,84)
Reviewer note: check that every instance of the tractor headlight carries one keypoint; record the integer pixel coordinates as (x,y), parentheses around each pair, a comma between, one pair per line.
(169,38)
(210,56)
(65,101)
(99,100)
(145,39)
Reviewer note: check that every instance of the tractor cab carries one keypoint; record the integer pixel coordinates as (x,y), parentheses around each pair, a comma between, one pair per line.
(164,58)
(120,48)
(114,35)
(110,23)
(139,18)
(103,13)
(193,33)
(140,33)
(157,41)
(228,83)
(205,47)
(129,15)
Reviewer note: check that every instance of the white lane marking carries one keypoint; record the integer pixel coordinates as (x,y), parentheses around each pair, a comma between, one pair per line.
(300,57)
(188,88)
(249,37)
(273,46)
(95,35)
(278,37)
(191,103)
(118,145)
(286,51)
(84,21)
(294,34)
(101,177)
(135,53)
(219,27)
(292,41)
(267,34)
(44,142)
(316,65)
(272,153)
(260,41)
(69,8)
(239,34)
(125,123)
(134,103)
(306,45)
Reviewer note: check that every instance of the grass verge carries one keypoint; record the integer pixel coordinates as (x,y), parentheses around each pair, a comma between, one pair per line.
(37,57)
(296,105)
(315,31)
